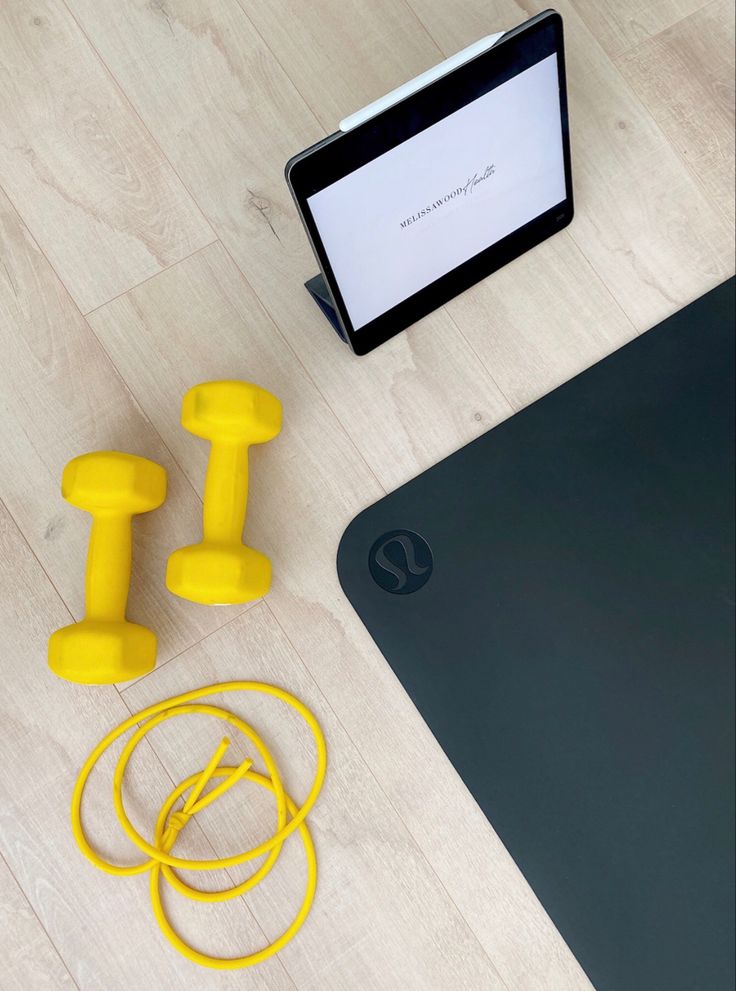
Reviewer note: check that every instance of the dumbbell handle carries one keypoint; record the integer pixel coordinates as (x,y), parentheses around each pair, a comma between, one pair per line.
(108,566)
(226,492)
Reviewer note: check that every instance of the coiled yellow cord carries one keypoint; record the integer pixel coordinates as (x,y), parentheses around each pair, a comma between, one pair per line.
(161,861)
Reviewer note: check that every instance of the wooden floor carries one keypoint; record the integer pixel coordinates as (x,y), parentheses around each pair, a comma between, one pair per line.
(148,242)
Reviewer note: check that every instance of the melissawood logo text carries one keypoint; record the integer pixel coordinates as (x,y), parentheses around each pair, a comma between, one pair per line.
(466,190)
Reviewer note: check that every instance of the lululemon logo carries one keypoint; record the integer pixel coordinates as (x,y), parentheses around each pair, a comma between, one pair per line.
(400,561)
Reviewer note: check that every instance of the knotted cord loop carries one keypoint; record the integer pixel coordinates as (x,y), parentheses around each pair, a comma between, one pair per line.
(161,862)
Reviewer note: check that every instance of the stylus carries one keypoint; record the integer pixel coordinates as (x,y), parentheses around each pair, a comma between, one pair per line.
(420,81)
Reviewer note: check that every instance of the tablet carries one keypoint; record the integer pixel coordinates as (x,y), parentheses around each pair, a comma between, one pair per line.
(433,193)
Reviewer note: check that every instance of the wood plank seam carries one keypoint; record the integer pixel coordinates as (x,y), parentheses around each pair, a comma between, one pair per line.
(115,690)
(290,349)
(483,364)
(308,675)
(379,785)
(273,55)
(126,388)
(316,117)
(88,313)
(189,646)
(149,744)
(248,281)
(16,524)
(581,8)
(515,407)
(33,911)
(79,163)
(134,110)
(4,192)
(203,831)
(273,609)
(621,60)
(665,137)
(213,226)
(287,345)
(145,416)
(441,54)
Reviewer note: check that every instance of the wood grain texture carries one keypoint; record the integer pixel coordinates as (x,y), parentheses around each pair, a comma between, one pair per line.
(95,191)
(61,397)
(180,313)
(685,78)
(641,220)
(225,113)
(389,921)
(134,132)
(341,56)
(102,926)
(29,957)
(541,320)
(621,24)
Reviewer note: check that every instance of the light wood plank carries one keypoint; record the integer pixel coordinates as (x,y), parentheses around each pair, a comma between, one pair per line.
(226,115)
(102,926)
(175,320)
(534,325)
(540,320)
(341,56)
(624,23)
(641,220)
(217,98)
(28,955)
(95,191)
(685,78)
(451,33)
(61,397)
(307,485)
(392,926)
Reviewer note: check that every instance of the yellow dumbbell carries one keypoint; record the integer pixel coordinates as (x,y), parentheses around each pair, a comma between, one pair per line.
(221,570)
(105,647)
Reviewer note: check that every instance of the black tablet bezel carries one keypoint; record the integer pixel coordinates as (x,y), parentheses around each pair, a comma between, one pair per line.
(342,153)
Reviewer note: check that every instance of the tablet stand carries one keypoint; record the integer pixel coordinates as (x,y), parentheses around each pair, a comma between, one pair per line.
(317,289)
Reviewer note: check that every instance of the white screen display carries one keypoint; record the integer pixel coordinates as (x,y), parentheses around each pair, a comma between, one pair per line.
(393,226)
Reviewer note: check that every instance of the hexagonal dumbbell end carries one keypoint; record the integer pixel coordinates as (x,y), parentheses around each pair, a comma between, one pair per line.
(105,647)
(102,652)
(231,410)
(112,480)
(221,570)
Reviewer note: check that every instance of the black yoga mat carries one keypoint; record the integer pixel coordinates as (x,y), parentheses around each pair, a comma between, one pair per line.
(558,600)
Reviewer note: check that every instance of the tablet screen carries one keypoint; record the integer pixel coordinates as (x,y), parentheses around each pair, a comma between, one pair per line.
(398,223)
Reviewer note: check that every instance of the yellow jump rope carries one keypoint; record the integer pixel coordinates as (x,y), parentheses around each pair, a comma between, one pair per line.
(289,818)
(106,647)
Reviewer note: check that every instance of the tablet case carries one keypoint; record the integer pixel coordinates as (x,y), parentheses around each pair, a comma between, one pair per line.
(565,624)
(317,289)
(316,286)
